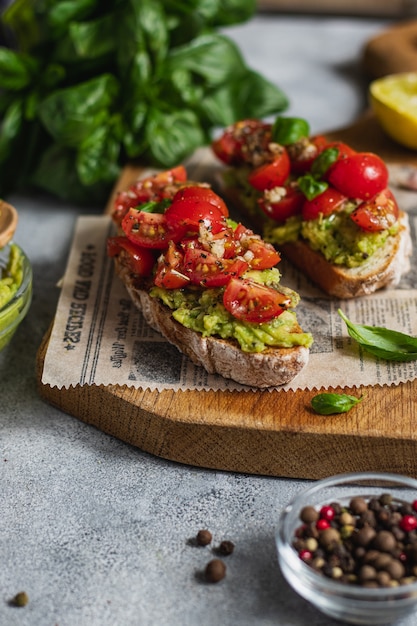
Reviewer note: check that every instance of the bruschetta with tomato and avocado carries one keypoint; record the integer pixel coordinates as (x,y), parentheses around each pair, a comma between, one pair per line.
(205,282)
(326,207)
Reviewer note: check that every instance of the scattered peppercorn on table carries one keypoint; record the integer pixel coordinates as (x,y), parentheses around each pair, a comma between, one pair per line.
(95,532)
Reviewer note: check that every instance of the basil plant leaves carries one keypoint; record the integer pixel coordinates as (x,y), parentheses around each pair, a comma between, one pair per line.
(89,85)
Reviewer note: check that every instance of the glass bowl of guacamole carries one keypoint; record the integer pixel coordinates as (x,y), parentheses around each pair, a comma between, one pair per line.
(15,290)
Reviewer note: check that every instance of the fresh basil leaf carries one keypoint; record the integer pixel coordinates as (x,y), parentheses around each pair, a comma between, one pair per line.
(287,130)
(213,57)
(171,136)
(332,403)
(384,343)
(248,95)
(17,70)
(151,20)
(60,14)
(70,115)
(65,182)
(10,128)
(323,161)
(188,91)
(311,187)
(134,123)
(98,155)
(230,12)
(94,38)
(154,207)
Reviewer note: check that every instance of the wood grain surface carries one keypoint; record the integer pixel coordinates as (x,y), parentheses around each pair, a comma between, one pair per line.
(269,433)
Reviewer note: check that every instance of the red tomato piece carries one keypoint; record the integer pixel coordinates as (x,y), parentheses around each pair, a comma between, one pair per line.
(249,301)
(201,194)
(152,188)
(258,253)
(141,260)
(360,175)
(219,239)
(208,270)
(169,269)
(184,217)
(378,213)
(149,230)
(288,205)
(344,149)
(272,174)
(325,203)
(230,146)
(303,152)
(264,255)
(176,174)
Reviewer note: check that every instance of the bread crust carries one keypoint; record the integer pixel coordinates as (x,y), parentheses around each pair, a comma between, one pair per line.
(384,269)
(271,368)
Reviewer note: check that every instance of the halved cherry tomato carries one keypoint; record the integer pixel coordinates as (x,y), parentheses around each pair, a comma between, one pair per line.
(272,174)
(141,260)
(229,147)
(287,205)
(202,194)
(325,203)
(303,152)
(208,270)
(157,187)
(184,217)
(249,301)
(378,213)
(258,253)
(169,269)
(343,148)
(149,230)
(360,175)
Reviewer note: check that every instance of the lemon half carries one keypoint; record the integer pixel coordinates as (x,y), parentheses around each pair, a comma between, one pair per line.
(394,101)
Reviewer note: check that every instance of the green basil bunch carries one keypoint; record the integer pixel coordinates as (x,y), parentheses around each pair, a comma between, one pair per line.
(87,85)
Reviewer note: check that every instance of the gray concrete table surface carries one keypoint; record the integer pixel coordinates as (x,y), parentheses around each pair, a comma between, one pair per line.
(98,532)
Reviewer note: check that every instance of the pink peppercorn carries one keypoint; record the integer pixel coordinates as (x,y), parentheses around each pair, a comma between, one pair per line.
(408,523)
(322,524)
(305,555)
(327,512)
(414,505)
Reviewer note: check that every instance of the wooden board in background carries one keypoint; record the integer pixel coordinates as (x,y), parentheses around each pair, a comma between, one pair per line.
(268,433)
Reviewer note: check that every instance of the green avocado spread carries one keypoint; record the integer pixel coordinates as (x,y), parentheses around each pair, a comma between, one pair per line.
(336,236)
(11,276)
(202,310)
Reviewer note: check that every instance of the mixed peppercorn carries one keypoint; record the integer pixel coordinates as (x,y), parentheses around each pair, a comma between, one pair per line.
(370,542)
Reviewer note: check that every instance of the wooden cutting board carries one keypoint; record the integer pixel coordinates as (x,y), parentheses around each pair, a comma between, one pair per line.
(269,433)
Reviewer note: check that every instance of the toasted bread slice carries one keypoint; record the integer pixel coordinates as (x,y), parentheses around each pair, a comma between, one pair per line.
(383,269)
(270,368)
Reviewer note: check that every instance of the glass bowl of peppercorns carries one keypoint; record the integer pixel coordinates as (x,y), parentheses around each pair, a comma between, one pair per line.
(348,545)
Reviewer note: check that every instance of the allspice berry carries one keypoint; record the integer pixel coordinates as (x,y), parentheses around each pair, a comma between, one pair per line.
(226,548)
(309,514)
(204,537)
(215,571)
(384,541)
